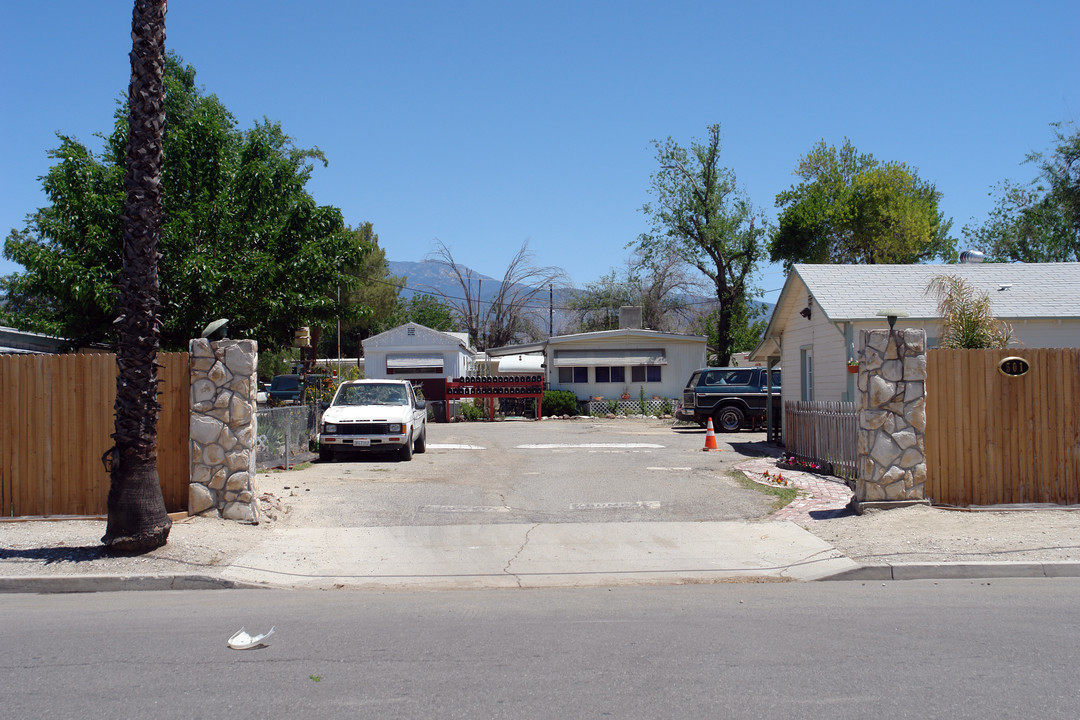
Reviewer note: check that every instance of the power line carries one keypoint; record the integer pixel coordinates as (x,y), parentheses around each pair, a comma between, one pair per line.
(436,293)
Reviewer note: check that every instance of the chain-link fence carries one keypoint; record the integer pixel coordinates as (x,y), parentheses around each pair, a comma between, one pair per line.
(285,435)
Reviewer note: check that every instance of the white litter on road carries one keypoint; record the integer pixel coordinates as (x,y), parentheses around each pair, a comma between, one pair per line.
(562,446)
(243,640)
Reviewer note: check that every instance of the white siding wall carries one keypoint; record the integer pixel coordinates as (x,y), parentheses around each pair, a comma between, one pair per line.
(1047,333)
(829,353)
(455,362)
(682,359)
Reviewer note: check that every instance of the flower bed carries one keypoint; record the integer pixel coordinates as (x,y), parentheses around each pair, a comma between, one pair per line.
(793,463)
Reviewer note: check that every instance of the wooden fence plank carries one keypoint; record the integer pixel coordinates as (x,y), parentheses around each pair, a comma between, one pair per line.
(994,439)
(58,420)
(7,421)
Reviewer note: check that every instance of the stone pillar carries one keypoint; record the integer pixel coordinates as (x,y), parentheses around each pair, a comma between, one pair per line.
(223,405)
(892,418)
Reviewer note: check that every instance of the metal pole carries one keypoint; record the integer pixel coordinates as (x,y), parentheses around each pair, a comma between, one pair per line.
(551,309)
(339,332)
(288,431)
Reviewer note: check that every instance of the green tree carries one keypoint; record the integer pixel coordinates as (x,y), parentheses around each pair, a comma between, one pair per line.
(241,237)
(137,518)
(699,215)
(1038,221)
(852,208)
(659,284)
(374,296)
(422,309)
(966,317)
(596,307)
(510,310)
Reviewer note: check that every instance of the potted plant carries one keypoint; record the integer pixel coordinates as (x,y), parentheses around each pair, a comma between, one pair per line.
(853,365)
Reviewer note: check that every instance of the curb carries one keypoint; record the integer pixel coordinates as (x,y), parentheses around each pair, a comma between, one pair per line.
(115,583)
(958,571)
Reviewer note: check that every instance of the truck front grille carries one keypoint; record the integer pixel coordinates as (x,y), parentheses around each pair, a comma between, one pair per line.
(362,429)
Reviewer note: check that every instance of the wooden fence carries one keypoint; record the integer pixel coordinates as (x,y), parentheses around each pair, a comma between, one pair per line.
(997,439)
(823,433)
(56,418)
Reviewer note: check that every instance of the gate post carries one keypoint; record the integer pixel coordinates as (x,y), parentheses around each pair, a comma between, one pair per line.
(223,404)
(891,430)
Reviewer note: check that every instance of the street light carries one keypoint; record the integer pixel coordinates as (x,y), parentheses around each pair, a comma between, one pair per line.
(891,314)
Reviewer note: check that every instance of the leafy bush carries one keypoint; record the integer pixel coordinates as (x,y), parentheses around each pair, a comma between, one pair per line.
(470,411)
(560,402)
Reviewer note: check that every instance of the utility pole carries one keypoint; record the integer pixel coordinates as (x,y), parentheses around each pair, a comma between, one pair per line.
(551,309)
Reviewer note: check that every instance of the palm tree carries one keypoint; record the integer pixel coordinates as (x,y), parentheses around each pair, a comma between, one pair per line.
(966,319)
(138,521)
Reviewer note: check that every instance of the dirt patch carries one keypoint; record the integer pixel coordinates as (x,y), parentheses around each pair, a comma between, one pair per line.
(928,534)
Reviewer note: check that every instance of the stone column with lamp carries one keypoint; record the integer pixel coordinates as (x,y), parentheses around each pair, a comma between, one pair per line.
(891,417)
(223,426)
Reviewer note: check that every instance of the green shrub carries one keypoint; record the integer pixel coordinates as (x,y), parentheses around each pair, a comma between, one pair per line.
(560,402)
(470,411)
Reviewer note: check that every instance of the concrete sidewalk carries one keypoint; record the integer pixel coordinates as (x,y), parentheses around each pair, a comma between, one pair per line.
(538,555)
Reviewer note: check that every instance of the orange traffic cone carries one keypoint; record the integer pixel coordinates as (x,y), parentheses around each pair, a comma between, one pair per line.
(710,438)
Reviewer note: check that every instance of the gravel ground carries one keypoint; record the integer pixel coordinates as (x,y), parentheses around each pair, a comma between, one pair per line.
(204,546)
(928,534)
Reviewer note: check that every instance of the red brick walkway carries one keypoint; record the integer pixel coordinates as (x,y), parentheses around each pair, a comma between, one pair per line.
(820,497)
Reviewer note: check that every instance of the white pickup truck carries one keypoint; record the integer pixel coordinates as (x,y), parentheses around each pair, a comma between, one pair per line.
(373,415)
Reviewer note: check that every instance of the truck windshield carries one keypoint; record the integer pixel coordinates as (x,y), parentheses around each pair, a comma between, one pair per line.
(372,394)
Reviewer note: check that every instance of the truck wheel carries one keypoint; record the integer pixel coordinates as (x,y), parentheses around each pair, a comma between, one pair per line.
(405,453)
(421,442)
(729,419)
(326,454)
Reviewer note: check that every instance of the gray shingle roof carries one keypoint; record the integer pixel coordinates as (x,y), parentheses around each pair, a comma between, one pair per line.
(1016,290)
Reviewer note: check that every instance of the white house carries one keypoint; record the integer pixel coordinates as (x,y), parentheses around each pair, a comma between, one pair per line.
(814,328)
(613,363)
(416,352)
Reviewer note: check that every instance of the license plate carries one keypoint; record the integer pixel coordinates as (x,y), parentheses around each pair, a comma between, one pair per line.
(361,442)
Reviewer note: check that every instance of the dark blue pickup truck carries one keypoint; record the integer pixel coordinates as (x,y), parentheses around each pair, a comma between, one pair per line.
(731,396)
(285,388)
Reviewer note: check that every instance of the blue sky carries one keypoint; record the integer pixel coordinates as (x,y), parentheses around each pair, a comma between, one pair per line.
(486,124)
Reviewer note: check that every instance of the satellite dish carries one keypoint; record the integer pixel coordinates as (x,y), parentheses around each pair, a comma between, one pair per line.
(216,330)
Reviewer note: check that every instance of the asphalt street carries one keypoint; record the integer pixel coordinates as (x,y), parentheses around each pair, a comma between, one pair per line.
(920,649)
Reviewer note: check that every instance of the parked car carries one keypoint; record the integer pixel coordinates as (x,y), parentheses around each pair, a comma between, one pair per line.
(262,394)
(731,396)
(373,415)
(285,388)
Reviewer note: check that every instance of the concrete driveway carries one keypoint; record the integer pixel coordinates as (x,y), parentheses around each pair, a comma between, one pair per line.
(520,504)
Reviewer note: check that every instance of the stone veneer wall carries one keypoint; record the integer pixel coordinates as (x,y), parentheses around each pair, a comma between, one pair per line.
(223,405)
(892,416)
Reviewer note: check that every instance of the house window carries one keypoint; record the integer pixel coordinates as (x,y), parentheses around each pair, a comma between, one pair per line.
(806,373)
(645,373)
(610,374)
(568,375)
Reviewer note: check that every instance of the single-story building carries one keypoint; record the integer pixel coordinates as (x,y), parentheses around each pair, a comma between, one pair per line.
(515,360)
(418,353)
(610,364)
(21,342)
(815,325)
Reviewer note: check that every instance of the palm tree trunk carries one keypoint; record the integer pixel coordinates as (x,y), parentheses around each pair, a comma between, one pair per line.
(138,521)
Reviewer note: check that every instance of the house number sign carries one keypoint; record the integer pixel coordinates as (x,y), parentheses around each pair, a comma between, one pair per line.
(1013,366)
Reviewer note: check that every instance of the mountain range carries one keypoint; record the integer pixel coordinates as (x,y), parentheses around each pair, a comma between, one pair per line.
(435,279)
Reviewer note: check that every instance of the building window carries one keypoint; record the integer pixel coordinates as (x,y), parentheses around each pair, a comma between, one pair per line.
(568,375)
(645,373)
(610,374)
(806,372)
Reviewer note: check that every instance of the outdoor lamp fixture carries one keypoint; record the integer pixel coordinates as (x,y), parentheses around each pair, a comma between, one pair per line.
(891,314)
(216,330)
